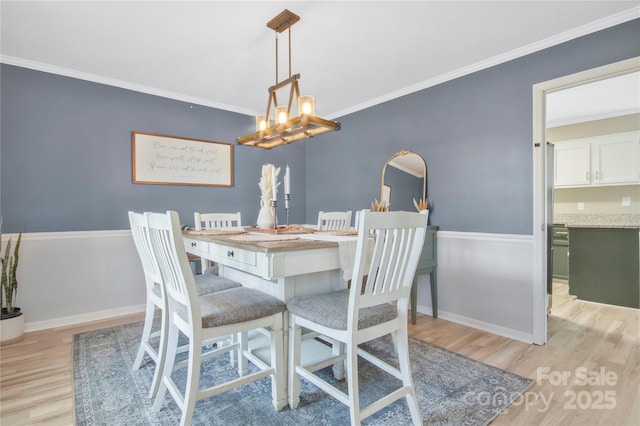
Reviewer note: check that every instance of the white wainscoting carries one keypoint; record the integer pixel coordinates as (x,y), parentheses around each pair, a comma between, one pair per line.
(484,280)
(72,277)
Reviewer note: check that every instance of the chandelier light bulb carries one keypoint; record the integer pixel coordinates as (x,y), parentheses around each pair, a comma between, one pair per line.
(261,123)
(306,105)
(282,114)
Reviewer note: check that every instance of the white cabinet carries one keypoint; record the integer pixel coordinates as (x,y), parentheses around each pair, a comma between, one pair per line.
(572,163)
(602,160)
(616,159)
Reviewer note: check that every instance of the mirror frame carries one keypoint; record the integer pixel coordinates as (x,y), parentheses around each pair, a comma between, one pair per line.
(400,154)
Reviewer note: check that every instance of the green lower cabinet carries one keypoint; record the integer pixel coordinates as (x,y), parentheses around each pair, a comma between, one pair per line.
(604,266)
(561,261)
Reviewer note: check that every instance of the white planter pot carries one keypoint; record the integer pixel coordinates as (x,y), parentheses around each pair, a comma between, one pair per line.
(11,330)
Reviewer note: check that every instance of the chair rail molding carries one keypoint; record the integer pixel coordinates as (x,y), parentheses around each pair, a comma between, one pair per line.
(484,280)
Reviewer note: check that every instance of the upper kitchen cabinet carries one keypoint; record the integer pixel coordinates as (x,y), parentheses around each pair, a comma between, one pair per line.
(603,160)
(572,163)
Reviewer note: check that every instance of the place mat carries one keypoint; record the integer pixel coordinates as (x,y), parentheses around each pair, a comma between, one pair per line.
(291,229)
(255,238)
(338,232)
(215,231)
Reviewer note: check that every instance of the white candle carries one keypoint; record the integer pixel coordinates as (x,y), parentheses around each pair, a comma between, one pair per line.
(287,181)
(274,181)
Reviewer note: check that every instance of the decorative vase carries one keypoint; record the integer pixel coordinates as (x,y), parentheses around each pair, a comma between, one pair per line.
(11,327)
(265,216)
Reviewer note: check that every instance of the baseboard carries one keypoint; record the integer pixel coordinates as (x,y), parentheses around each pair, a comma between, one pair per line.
(83,318)
(480,325)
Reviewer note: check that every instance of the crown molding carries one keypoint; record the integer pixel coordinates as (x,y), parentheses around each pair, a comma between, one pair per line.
(95,78)
(601,24)
(592,27)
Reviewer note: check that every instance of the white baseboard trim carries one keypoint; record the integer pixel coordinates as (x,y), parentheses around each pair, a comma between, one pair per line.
(480,325)
(79,319)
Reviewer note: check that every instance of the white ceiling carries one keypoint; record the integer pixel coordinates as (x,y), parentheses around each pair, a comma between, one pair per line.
(350,55)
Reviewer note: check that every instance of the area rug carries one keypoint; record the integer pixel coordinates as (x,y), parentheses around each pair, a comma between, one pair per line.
(451,389)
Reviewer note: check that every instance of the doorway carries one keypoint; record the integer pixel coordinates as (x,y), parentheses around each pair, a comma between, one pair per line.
(542,170)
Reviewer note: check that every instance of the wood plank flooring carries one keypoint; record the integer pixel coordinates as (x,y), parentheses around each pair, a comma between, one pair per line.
(584,339)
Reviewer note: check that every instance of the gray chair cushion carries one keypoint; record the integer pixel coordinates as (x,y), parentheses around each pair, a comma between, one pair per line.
(212,270)
(234,306)
(208,283)
(330,310)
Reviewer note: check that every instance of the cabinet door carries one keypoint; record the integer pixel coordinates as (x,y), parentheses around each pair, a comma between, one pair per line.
(572,164)
(561,261)
(616,160)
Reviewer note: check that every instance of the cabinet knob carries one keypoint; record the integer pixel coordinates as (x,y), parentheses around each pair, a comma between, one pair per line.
(193,244)
(230,253)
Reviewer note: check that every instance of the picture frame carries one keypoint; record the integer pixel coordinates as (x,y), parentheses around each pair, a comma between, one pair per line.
(172,160)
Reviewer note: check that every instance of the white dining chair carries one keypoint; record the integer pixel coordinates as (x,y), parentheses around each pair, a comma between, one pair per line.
(202,318)
(334,221)
(156,298)
(215,221)
(363,313)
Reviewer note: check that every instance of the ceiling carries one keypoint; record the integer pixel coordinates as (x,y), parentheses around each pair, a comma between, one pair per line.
(351,55)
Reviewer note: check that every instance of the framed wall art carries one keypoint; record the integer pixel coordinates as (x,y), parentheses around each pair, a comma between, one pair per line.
(171,160)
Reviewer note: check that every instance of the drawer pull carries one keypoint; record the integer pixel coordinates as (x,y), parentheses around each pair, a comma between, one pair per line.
(230,253)
(193,244)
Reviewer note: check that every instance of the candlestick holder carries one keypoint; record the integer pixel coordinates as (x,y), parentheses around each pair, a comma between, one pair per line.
(287,198)
(274,204)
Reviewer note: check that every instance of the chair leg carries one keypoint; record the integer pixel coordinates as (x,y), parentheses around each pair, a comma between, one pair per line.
(337,348)
(394,339)
(277,363)
(405,368)
(243,364)
(162,354)
(193,378)
(234,355)
(295,340)
(352,378)
(170,357)
(146,334)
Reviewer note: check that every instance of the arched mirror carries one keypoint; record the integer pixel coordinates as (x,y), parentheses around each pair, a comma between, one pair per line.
(404,178)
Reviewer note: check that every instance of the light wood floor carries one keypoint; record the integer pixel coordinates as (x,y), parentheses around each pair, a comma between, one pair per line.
(36,373)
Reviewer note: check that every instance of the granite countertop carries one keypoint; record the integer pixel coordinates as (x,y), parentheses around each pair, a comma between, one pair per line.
(598,220)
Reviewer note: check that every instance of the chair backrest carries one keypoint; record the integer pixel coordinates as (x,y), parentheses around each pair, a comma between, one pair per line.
(166,238)
(217,220)
(334,221)
(140,234)
(388,250)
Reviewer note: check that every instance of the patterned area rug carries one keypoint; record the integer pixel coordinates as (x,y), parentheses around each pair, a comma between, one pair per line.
(451,389)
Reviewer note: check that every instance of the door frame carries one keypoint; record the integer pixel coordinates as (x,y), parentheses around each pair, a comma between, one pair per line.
(540,261)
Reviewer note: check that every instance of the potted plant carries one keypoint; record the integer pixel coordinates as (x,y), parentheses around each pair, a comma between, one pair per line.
(11,319)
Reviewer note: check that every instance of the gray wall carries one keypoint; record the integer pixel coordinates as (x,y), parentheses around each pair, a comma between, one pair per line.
(66,147)
(475,134)
(66,156)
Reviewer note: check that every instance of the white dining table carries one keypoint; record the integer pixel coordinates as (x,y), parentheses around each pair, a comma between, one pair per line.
(309,264)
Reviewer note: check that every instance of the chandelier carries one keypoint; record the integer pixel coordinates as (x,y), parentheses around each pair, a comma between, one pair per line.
(285,128)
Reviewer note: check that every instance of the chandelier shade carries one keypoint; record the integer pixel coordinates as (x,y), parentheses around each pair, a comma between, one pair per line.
(283,127)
